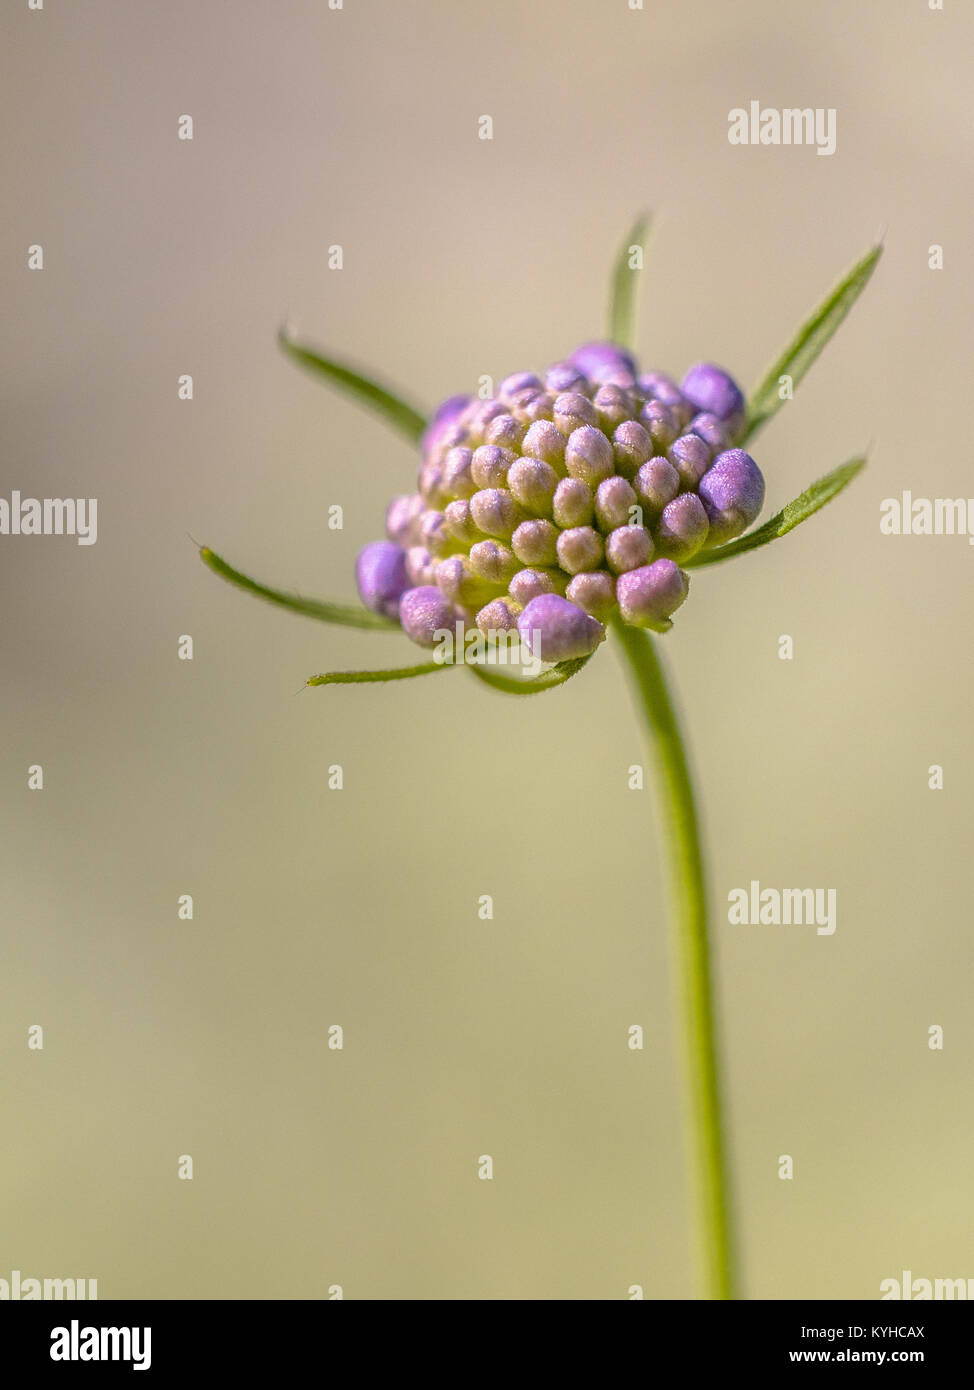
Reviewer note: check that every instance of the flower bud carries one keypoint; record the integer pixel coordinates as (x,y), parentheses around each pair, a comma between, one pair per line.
(458,523)
(481,415)
(627,548)
(430,483)
(553,629)
(402,519)
(649,595)
(613,405)
(420,566)
(613,500)
(489,466)
(529,583)
(713,390)
(535,543)
(457,581)
(659,387)
(712,431)
(573,410)
(457,480)
(545,441)
(495,511)
(511,386)
(505,431)
(632,446)
(660,423)
(425,611)
(494,562)
(444,427)
(595,592)
(433,532)
(500,615)
(580,548)
(683,528)
(691,457)
(657,482)
(533,483)
(573,503)
(531,406)
(565,376)
(589,456)
(604,361)
(732,491)
(380,572)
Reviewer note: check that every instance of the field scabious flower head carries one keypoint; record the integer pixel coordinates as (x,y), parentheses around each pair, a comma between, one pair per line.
(599,477)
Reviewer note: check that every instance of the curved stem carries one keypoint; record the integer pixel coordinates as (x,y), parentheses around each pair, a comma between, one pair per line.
(689,908)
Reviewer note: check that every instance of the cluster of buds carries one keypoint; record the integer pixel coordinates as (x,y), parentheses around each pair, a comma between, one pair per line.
(564,501)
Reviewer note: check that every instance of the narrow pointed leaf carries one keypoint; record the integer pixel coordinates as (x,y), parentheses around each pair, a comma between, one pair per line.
(370,394)
(622,292)
(811,339)
(345,614)
(810,501)
(529,685)
(396,673)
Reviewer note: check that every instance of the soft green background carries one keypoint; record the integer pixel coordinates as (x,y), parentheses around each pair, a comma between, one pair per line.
(358,1168)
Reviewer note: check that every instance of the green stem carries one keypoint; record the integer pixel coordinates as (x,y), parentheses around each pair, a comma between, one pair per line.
(689,907)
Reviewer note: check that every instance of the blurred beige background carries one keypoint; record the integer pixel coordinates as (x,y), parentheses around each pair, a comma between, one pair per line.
(313,907)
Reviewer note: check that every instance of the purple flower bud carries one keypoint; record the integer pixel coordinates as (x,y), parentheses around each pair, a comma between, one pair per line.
(420,566)
(489,465)
(456,580)
(531,406)
(458,523)
(424,612)
(433,532)
(545,441)
(603,362)
(657,482)
(711,430)
(444,425)
(496,513)
(528,584)
(457,480)
(580,548)
(649,595)
(614,405)
(513,385)
(380,572)
(595,591)
(481,415)
(627,548)
(732,490)
(713,390)
(430,482)
(659,387)
(553,629)
(613,500)
(589,456)
(500,615)
(573,410)
(661,424)
(535,543)
(533,483)
(402,519)
(573,503)
(683,527)
(565,376)
(505,431)
(494,562)
(632,446)
(691,457)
